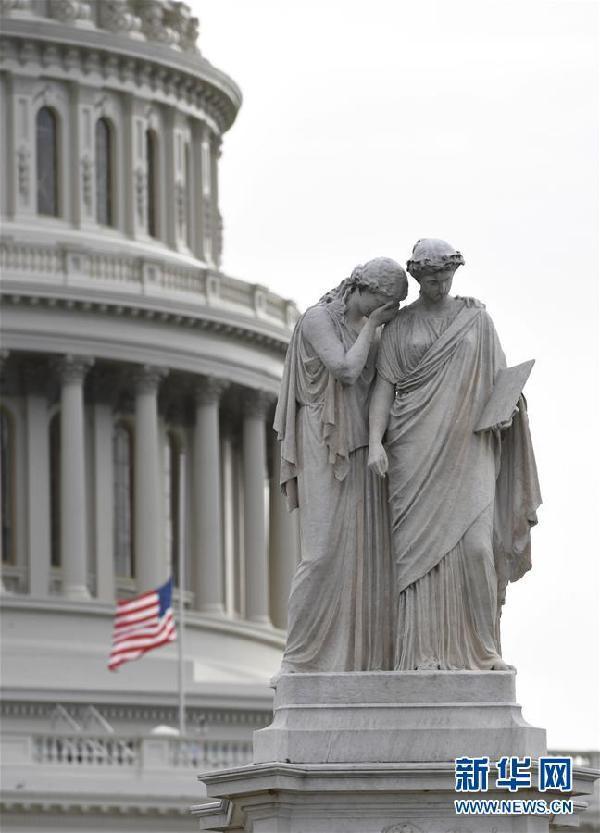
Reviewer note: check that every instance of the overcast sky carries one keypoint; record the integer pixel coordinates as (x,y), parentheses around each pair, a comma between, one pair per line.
(367,125)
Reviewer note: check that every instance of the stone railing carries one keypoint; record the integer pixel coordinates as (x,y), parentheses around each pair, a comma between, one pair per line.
(24,263)
(167,22)
(85,751)
(82,750)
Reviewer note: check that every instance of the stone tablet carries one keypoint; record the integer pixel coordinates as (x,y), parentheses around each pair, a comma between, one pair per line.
(508,386)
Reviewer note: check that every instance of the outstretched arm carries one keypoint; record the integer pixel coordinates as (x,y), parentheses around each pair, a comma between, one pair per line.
(345,366)
(379,412)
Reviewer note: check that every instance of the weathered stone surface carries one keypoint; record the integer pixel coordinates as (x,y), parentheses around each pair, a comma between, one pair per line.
(358,798)
(411,716)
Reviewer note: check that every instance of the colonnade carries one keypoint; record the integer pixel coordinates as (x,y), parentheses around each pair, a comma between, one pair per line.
(269,548)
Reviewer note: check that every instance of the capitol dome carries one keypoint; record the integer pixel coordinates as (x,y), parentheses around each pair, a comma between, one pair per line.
(127,357)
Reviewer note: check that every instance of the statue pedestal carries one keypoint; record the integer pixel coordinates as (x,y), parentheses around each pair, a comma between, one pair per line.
(373,752)
(392,717)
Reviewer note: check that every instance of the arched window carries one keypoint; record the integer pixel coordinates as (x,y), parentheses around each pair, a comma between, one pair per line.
(123,500)
(104,173)
(55,559)
(152,180)
(7,485)
(46,130)
(173,498)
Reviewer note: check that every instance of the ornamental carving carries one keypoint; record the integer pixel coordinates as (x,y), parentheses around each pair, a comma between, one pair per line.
(179,18)
(256,404)
(8,6)
(220,105)
(117,16)
(140,192)
(208,390)
(23,172)
(146,378)
(86,182)
(72,369)
(180,206)
(154,24)
(50,55)
(218,238)
(208,220)
(91,61)
(72,58)
(68,11)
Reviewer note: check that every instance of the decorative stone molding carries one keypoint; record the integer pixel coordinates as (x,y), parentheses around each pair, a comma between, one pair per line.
(91,62)
(50,55)
(71,369)
(20,261)
(140,192)
(86,182)
(23,172)
(199,87)
(180,206)
(144,715)
(218,238)
(209,390)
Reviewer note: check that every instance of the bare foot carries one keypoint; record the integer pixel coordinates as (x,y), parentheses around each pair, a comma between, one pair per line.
(500,665)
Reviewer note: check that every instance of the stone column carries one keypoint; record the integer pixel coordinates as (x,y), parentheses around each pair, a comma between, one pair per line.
(208,543)
(37,500)
(73,538)
(283,542)
(104,389)
(217,222)
(151,567)
(255,539)
(228,524)
(3,357)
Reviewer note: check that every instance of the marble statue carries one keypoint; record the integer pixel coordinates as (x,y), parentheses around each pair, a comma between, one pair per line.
(461,503)
(339,607)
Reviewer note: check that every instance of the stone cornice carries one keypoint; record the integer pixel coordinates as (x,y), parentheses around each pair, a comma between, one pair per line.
(144,312)
(99,58)
(210,711)
(90,805)
(148,284)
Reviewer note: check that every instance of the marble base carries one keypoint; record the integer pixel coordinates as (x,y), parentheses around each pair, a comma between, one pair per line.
(391,717)
(374,753)
(359,798)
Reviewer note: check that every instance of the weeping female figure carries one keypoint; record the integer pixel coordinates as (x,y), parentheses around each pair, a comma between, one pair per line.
(462,502)
(338,613)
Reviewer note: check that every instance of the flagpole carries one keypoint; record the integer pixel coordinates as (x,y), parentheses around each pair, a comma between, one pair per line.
(181,570)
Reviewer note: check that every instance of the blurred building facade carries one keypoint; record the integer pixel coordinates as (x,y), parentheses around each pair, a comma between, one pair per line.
(128,354)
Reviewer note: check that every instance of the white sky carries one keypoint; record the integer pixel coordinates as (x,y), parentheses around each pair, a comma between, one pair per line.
(368,125)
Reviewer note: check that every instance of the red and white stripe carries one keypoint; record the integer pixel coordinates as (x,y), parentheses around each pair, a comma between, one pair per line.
(138,628)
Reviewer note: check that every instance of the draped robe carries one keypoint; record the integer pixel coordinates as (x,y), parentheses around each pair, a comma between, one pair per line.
(339,606)
(461,504)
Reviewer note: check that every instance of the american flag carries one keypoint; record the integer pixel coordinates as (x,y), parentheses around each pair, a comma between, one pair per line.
(141,624)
